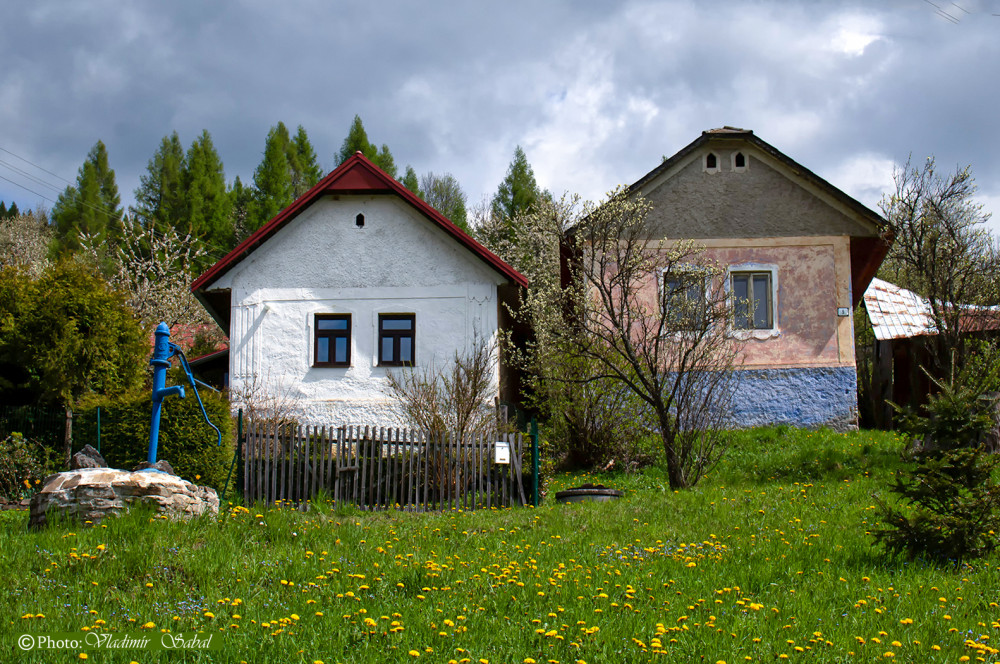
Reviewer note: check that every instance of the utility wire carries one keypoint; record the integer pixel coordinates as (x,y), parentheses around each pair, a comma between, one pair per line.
(3,149)
(31,177)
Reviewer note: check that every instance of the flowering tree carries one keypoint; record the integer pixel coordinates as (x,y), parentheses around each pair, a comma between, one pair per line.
(630,335)
(657,320)
(155,269)
(24,243)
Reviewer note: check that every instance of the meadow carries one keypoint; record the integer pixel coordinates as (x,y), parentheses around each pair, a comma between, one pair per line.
(768,559)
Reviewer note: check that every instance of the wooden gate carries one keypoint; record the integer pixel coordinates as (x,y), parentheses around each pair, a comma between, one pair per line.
(380,468)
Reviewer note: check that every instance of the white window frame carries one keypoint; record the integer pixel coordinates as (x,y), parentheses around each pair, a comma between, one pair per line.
(755,333)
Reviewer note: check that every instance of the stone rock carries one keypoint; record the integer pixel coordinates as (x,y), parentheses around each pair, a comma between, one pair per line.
(161,465)
(91,494)
(88,457)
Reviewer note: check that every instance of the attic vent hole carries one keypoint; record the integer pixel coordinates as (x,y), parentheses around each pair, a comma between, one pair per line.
(711,161)
(740,161)
(359,221)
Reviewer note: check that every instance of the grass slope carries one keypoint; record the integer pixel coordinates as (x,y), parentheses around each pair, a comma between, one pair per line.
(768,559)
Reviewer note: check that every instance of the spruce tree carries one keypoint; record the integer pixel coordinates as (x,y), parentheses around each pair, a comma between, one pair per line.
(240,202)
(305,168)
(383,159)
(3,210)
(91,207)
(357,141)
(208,202)
(160,197)
(411,182)
(12,211)
(518,192)
(272,180)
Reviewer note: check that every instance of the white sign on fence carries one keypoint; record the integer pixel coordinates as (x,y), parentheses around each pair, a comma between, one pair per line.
(502,452)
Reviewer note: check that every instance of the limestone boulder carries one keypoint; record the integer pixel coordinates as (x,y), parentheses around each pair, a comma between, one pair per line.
(91,494)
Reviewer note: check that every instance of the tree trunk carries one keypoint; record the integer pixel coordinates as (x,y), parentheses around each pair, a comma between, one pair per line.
(675,471)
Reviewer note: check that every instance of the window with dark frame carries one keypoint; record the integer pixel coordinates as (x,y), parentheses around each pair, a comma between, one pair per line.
(711,161)
(752,306)
(396,340)
(739,161)
(332,345)
(684,300)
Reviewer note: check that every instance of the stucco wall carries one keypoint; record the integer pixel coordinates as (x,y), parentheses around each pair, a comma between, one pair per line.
(813,281)
(810,282)
(762,201)
(321,262)
(808,397)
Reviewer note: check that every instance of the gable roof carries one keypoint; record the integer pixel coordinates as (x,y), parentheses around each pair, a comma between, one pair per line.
(867,252)
(357,175)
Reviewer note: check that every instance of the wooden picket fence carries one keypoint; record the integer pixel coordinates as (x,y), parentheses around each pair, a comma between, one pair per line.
(379,468)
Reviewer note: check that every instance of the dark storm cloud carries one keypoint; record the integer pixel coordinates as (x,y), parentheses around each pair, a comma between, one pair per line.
(595,92)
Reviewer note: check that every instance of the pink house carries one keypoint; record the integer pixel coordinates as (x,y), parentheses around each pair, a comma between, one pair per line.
(795,247)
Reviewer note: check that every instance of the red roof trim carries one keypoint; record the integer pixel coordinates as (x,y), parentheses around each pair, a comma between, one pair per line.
(357,175)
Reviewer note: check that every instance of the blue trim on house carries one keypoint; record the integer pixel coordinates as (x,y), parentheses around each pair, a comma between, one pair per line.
(810,397)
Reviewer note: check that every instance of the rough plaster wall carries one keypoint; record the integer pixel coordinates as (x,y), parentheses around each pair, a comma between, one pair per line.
(807,320)
(322,263)
(759,202)
(800,397)
(807,306)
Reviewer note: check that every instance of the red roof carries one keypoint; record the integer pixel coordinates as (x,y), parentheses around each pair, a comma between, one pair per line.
(357,175)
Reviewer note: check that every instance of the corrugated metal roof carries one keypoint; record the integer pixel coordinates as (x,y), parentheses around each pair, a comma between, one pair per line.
(897,313)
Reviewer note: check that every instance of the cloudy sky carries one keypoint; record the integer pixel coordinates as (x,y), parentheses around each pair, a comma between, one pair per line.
(595,92)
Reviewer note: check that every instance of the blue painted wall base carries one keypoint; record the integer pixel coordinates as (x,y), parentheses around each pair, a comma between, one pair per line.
(811,397)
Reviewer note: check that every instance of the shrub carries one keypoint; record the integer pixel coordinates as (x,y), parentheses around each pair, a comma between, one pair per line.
(186,441)
(23,465)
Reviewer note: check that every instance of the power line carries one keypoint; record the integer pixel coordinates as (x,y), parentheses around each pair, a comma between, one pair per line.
(16,184)
(56,175)
(212,251)
(31,177)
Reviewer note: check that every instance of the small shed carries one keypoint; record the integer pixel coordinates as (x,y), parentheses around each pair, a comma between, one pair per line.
(902,322)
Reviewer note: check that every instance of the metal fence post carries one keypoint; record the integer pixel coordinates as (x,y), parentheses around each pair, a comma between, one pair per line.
(534,461)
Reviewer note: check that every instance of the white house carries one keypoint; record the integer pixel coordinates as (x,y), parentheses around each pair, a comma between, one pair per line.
(355,278)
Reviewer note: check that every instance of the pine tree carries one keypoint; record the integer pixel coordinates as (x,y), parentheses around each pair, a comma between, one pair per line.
(91,207)
(411,182)
(305,168)
(445,195)
(357,141)
(208,202)
(272,180)
(160,197)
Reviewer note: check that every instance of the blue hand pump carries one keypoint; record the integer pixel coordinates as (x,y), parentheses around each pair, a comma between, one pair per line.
(163,350)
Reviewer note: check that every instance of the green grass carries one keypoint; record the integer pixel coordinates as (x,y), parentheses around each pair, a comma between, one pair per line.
(766,559)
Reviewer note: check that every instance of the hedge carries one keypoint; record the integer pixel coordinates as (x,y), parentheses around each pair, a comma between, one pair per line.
(186,441)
